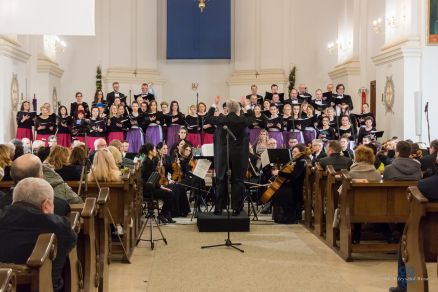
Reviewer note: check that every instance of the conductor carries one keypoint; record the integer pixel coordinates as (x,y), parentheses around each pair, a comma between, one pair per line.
(237,121)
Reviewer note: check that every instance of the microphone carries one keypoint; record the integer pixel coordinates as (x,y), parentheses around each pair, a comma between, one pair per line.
(426,107)
(230,133)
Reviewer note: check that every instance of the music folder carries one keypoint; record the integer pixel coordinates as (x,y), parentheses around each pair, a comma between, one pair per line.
(275,156)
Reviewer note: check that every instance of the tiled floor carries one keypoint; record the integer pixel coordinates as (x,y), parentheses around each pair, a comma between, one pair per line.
(276,258)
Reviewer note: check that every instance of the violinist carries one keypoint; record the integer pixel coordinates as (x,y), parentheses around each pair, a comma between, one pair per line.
(25,120)
(148,166)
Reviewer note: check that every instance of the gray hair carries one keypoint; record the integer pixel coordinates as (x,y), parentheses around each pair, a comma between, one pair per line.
(33,190)
(318,142)
(233,106)
(96,143)
(27,165)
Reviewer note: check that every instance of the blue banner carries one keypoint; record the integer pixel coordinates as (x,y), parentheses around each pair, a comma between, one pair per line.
(195,35)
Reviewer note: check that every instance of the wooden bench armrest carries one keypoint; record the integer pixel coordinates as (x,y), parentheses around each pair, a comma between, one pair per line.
(318,167)
(45,249)
(415,194)
(103,197)
(89,209)
(345,174)
(7,278)
(75,222)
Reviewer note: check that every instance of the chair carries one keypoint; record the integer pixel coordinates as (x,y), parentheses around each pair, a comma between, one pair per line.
(150,205)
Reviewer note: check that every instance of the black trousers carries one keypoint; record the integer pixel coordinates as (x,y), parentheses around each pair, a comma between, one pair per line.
(163,195)
(237,189)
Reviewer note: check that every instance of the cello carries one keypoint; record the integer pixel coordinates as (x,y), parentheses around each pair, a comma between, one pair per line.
(277,183)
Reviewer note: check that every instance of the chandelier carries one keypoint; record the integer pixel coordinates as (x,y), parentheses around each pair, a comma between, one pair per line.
(201,5)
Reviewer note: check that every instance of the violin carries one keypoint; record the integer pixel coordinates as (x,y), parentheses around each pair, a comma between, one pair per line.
(176,169)
(162,172)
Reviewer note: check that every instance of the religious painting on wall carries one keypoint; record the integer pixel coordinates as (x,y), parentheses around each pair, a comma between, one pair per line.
(432,25)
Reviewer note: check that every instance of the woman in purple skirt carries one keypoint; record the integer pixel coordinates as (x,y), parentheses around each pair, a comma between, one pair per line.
(309,132)
(153,133)
(135,136)
(257,126)
(294,126)
(176,118)
(274,127)
(287,114)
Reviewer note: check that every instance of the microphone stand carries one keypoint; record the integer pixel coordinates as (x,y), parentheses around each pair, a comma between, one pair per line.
(228,242)
(427,120)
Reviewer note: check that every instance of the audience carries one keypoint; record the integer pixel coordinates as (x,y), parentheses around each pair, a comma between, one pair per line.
(363,166)
(31,214)
(335,158)
(77,156)
(317,150)
(5,161)
(119,146)
(27,145)
(104,168)
(58,160)
(19,149)
(403,167)
(117,155)
(429,166)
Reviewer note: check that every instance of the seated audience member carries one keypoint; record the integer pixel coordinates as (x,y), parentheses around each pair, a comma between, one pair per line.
(403,167)
(62,190)
(58,160)
(53,141)
(346,151)
(104,168)
(363,166)
(36,145)
(317,151)
(416,152)
(19,148)
(429,166)
(6,161)
(335,158)
(29,165)
(118,144)
(378,164)
(77,156)
(116,154)
(27,145)
(31,214)
(125,148)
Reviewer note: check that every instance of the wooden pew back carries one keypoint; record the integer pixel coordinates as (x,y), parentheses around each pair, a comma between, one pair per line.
(308,195)
(334,181)
(8,282)
(319,200)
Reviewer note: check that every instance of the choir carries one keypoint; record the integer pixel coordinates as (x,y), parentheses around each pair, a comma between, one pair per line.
(300,117)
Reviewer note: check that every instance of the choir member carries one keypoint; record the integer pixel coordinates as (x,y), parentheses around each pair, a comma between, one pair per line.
(276,100)
(329,95)
(207,129)
(326,132)
(74,106)
(98,98)
(294,127)
(143,107)
(64,123)
(115,125)
(145,94)
(346,129)
(81,108)
(274,90)
(153,120)
(366,130)
(333,121)
(25,121)
(266,108)
(192,125)
(365,113)
(303,112)
(45,125)
(175,122)
(274,125)
(287,115)
(96,128)
(102,110)
(293,97)
(302,93)
(79,127)
(309,131)
(318,103)
(256,127)
(135,136)
(115,93)
(346,150)
(254,98)
(165,122)
(342,98)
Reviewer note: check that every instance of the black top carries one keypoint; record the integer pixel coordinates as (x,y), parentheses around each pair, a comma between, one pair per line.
(112,95)
(116,124)
(74,109)
(327,134)
(97,127)
(203,121)
(136,121)
(274,124)
(339,162)
(149,97)
(350,132)
(344,99)
(64,124)
(70,172)
(177,119)
(259,122)
(192,124)
(363,132)
(79,127)
(153,118)
(48,126)
(28,123)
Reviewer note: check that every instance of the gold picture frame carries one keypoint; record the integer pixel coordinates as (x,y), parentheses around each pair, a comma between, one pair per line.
(432,22)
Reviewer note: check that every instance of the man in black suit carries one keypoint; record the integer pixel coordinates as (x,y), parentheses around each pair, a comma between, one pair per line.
(328,96)
(317,151)
(31,214)
(342,98)
(237,123)
(254,97)
(29,165)
(334,157)
(115,93)
(429,166)
(148,97)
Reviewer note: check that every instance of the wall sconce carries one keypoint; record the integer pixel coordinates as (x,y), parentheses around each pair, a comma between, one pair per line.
(395,22)
(377,26)
(54,43)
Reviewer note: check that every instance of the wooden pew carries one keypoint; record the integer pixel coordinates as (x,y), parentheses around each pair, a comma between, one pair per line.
(72,274)
(308,195)
(319,193)
(119,209)
(420,239)
(370,202)
(86,245)
(8,282)
(5,185)
(37,272)
(334,181)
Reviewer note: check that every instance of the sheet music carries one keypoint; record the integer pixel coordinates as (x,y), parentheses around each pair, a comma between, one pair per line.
(201,168)
(207,150)
(265,158)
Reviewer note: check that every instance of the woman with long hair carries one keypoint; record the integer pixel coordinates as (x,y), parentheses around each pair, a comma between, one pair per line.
(58,160)
(153,120)
(204,124)
(192,124)
(25,121)
(104,167)
(98,98)
(256,127)
(262,142)
(135,135)
(176,122)
(65,123)
(45,125)
(287,114)
(294,129)
(115,125)
(274,126)
(96,128)
(6,161)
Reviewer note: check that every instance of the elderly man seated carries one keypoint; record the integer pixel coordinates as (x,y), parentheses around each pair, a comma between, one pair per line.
(31,214)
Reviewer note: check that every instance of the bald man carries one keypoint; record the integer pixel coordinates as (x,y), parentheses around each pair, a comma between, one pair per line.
(303,95)
(29,165)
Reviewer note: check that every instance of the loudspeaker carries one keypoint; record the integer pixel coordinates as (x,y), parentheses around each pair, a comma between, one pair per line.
(418,101)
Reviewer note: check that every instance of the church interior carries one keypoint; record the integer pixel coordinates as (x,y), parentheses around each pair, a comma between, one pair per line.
(212,145)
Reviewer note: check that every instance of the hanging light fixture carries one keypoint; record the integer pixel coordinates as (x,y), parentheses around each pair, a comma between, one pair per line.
(201,5)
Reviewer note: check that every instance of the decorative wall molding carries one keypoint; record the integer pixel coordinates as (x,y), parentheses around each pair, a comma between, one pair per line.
(343,70)
(46,65)
(11,49)
(264,76)
(397,52)
(133,76)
